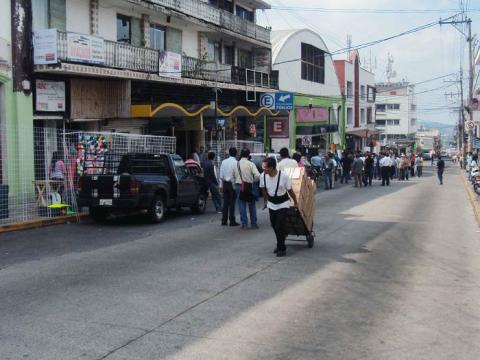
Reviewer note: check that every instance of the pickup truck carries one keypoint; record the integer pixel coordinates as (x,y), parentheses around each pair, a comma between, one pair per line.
(150,183)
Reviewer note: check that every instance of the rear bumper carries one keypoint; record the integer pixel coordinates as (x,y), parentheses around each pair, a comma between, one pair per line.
(127,204)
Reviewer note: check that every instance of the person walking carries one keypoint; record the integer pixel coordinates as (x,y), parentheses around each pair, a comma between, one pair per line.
(440,169)
(385,168)
(412,165)
(394,166)
(328,167)
(419,164)
(286,162)
(346,162)
(368,166)
(469,166)
(377,166)
(357,168)
(248,174)
(210,173)
(228,180)
(277,186)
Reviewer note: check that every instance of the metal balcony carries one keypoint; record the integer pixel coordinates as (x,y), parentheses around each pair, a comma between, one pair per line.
(219,17)
(128,57)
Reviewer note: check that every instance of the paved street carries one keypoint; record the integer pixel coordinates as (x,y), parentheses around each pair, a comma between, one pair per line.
(394,274)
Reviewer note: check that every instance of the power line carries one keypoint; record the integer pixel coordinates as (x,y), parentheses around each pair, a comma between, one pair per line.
(367,11)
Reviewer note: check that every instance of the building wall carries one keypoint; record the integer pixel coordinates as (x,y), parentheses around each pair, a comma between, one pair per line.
(78,16)
(290,73)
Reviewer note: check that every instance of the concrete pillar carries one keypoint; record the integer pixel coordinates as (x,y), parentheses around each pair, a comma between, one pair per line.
(202,45)
(146,30)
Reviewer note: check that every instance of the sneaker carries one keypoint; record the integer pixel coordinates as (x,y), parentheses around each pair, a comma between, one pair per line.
(234,224)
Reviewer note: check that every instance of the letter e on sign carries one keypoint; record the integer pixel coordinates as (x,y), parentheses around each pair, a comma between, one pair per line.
(278,126)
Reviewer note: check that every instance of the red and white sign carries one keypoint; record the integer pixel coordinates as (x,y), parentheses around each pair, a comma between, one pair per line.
(50,96)
(278,127)
(315,114)
(170,64)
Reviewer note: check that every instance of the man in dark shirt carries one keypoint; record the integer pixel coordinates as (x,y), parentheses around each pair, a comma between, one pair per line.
(440,168)
(368,167)
(210,173)
(346,162)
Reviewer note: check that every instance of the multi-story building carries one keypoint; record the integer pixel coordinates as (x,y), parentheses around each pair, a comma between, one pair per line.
(306,69)
(358,88)
(396,114)
(190,68)
(428,139)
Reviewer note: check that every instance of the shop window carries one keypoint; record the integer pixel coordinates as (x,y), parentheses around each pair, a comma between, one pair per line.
(124,29)
(157,37)
(313,64)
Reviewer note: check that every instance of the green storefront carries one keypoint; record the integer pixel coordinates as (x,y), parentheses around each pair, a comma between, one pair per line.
(317,124)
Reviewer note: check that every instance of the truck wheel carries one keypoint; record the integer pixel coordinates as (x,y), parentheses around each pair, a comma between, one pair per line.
(99,214)
(200,205)
(310,240)
(156,212)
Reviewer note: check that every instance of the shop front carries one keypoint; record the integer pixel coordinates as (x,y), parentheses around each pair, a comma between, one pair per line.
(318,124)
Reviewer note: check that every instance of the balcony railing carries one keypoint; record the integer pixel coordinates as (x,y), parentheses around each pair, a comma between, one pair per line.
(222,18)
(128,57)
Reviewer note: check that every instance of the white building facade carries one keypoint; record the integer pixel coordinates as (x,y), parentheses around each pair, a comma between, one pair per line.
(306,69)
(396,115)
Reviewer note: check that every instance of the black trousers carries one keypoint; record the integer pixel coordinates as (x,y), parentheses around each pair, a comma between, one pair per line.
(277,220)
(229,199)
(385,175)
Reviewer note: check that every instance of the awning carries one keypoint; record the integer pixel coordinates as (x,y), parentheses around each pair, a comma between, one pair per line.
(364,131)
(178,110)
(316,129)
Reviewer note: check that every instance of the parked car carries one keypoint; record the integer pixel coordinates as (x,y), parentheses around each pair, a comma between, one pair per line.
(150,183)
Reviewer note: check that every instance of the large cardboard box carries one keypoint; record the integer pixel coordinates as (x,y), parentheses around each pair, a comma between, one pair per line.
(304,189)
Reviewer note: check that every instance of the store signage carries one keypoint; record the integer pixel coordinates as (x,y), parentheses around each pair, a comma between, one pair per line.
(278,127)
(277,101)
(50,96)
(476,143)
(314,114)
(170,64)
(306,140)
(85,48)
(45,47)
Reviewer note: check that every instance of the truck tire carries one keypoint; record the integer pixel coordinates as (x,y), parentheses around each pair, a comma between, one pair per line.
(200,205)
(157,209)
(99,214)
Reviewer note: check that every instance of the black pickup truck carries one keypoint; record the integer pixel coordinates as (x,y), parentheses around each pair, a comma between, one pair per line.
(143,182)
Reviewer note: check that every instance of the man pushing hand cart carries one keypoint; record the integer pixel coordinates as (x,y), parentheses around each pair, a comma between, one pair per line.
(286,218)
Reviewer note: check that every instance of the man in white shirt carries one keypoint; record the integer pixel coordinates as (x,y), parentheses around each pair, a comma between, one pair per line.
(248,174)
(277,186)
(286,162)
(228,179)
(386,164)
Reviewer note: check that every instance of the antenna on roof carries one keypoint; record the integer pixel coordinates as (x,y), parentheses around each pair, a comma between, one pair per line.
(349,44)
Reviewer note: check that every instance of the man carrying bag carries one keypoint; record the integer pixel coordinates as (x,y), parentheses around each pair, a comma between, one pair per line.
(277,186)
(248,174)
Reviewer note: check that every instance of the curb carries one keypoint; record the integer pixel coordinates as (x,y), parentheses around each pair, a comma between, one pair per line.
(474,198)
(41,223)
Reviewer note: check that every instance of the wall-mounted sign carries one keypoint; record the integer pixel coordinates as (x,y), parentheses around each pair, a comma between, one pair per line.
(170,64)
(469,125)
(306,140)
(476,143)
(314,114)
(50,96)
(85,48)
(278,127)
(277,101)
(45,47)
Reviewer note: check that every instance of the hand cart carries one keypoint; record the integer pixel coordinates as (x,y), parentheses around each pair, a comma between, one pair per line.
(295,225)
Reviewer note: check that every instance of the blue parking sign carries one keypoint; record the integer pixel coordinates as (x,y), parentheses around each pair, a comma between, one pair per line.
(277,101)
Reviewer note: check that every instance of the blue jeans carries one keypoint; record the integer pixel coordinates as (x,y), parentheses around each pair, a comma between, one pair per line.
(469,174)
(440,176)
(242,208)
(327,178)
(345,176)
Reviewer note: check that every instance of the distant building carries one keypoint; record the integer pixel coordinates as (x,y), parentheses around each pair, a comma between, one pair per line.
(396,114)
(358,88)
(428,139)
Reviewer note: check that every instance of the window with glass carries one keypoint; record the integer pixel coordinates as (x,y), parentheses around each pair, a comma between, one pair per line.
(228,54)
(362,92)
(380,123)
(157,37)
(362,116)
(380,107)
(313,64)
(214,51)
(244,13)
(124,29)
(393,106)
(349,116)
(349,89)
(245,59)
(393,122)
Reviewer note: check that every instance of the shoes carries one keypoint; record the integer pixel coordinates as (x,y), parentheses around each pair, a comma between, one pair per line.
(255,227)
(281,253)
(224,223)
(275,250)
(234,224)
(244,227)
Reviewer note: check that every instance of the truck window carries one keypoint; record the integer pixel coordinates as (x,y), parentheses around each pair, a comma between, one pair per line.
(151,165)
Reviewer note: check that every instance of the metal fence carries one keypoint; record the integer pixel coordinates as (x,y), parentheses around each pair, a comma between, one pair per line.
(220,148)
(43,183)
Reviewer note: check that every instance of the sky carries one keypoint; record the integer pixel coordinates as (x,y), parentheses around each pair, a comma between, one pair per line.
(424,55)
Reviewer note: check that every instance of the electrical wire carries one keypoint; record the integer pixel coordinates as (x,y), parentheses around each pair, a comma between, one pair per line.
(367,11)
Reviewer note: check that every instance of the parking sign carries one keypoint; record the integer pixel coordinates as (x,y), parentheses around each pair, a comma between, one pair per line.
(277,101)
